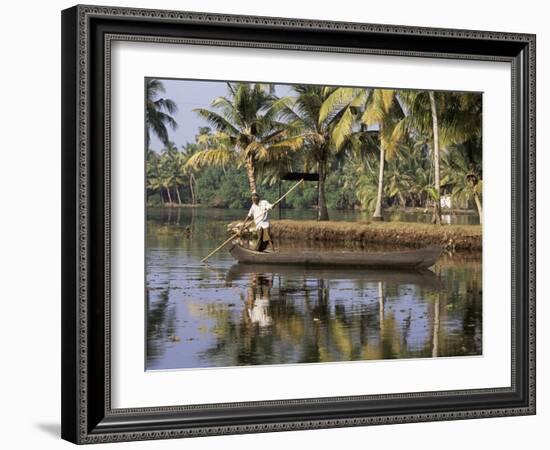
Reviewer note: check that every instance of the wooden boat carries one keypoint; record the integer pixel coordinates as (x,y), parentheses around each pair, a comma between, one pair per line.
(406,259)
(419,277)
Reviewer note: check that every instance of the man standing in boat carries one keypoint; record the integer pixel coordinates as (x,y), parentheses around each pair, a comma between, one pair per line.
(259,213)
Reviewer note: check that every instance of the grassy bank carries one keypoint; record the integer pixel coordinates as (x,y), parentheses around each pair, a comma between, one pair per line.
(458,237)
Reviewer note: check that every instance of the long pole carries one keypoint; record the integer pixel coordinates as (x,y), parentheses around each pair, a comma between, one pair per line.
(225,242)
(287,192)
(245,221)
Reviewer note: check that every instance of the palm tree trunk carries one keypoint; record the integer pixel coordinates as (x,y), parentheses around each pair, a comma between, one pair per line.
(178,194)
(169,196)
(437,206)
(378,209)
(381,317)
(191,188)
(251,174)
(322,213)
(402,200)
(479,208)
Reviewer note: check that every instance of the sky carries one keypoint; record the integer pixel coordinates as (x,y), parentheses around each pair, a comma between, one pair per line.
(188,95)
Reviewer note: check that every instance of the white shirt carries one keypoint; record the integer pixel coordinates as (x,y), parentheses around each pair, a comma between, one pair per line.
(259,212)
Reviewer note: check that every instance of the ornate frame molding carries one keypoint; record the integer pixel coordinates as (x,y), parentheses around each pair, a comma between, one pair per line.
(80,216)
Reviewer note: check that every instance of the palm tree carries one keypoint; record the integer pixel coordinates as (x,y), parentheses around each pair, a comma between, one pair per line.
(462,171)
(176,173)
(153,184)
(179,173)
(167,171)
(203,140)
(420,168)
(247,130)
(158,179)
(367,185)
(324,117)
(424,109)
(187,152)
(437,182)
(399,181)
(158,112)
(384,111)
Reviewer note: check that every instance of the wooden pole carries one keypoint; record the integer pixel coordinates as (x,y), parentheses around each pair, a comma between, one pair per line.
(245,222)
(287,192)
(224,243)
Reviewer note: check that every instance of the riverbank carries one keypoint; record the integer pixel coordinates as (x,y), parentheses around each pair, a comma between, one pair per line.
(175,205)
(457,237)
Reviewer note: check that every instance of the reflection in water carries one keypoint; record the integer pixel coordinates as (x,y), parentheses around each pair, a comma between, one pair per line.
(229,314)
(257,301)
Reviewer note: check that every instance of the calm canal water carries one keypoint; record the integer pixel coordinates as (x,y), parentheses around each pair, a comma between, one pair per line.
(224,314)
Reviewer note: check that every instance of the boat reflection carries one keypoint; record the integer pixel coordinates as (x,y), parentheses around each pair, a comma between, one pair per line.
(422,278)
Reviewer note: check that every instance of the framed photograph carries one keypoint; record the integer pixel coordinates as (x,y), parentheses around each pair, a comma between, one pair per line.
(278,224)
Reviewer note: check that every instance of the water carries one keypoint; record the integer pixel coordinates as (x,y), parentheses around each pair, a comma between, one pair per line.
(224,314)
(407,215)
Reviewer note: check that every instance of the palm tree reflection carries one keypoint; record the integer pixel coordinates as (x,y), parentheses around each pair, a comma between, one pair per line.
(293,315)
(293,318)
(435,333)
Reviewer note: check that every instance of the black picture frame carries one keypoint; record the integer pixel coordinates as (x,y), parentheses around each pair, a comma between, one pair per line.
(87,33)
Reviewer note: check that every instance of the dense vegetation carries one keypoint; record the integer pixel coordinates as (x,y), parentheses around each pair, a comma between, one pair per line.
(372,148)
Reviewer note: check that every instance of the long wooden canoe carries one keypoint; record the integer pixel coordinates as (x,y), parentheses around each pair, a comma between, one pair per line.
(406,259)
(419,277)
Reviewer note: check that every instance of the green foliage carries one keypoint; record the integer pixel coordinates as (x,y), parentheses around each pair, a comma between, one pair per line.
(256,138)
(220,188)
(462,172)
